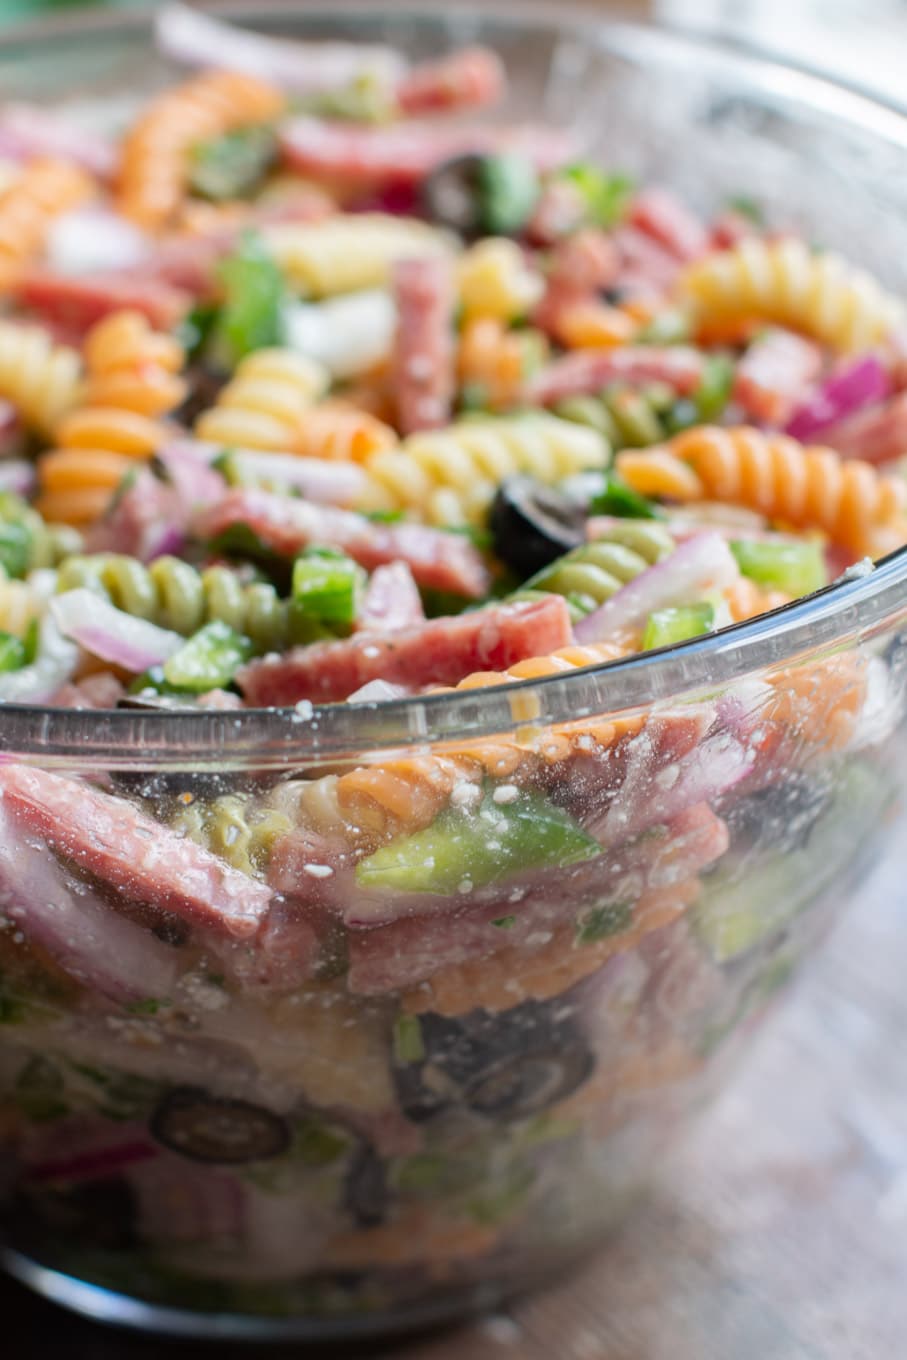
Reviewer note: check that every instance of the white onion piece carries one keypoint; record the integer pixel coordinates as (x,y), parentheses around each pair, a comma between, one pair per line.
(349,335)
(91,239)
(111,633)
(702,564)
(303,67)
(52,668)
(187,463)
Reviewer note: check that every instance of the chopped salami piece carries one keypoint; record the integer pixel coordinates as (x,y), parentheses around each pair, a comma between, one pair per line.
(645,266)
(102,690)
(471,78)
(281,958)
(410,151)
(586,263)
(774,373)
(391,600)
(437,652)
(422,365)
(876,434)
(438,560)
(89,941)
(729,229)
(119,845)
(146,521)
(587,371)
(28,132)
(77,301)
(427,937)
(659,214)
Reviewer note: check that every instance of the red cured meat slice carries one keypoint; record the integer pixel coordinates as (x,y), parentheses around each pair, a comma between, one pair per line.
(422,364)
(437,652)
(439,560)
(147,862)
(77,301)
(471,78)
(657,213)
(587,371)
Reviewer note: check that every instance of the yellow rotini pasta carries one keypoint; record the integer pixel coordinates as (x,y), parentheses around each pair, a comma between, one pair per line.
(349,252)
(785,281)
(805,487)
(155,152)
(44,189)
(42,380)
(450,476)
(263,405)
(495,280)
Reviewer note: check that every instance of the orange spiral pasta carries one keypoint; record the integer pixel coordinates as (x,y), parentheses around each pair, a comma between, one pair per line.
(588,323)
(805,487)
(336,430)
(494,362)
(43,191)
(745,599)
(155,152)
(515,974)
(132,379)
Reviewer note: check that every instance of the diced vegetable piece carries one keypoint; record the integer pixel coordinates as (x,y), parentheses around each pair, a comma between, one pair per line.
(254,292)
(209,660)
(13,655)
(15,542)
(460,849)
(611,918)
(233,165)
(793,565)
(665,627)
(606,195)
(327,585)
(616,498)
(714,390)
(509,188)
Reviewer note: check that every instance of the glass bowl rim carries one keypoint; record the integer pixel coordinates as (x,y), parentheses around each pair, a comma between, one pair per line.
(273,738)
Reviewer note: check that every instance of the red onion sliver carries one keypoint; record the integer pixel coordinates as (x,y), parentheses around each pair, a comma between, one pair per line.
(111,633)
(703,563)
(849,388)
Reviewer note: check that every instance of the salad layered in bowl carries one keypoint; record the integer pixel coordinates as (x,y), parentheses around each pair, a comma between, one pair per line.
(449,663)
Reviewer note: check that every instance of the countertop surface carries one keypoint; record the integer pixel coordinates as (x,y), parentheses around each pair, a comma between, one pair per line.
(780,1233)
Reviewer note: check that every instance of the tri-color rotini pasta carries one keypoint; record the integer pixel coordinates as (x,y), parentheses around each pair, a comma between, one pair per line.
(382,422)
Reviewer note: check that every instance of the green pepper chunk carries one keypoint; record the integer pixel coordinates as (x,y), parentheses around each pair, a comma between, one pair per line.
(326,585)
(15,547)
(795,566)
(208,660)
(251,316)
(508,189)
(12,653)
(667,627)
(619,499)
(233,165)
(714,390)
(461,851)
(606,195)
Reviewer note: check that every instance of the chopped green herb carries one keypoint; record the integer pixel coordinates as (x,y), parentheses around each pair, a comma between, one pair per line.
(148,1006)
(12,652)
(611,918)
(384,516)
(408,1045)
(15,547)
(318,1144)
(747,207)
(251,316)
(606,195)
(504,922)
(795,566)
(619,499)
(508,190)
(714,390)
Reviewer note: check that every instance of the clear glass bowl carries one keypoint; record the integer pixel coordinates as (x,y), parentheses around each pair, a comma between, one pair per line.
(462,1094)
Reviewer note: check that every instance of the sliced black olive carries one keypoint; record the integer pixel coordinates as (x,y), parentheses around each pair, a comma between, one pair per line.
(366,1194)
(209,1128)
(505,1067)
(478,195)
(533,525)
(781,817)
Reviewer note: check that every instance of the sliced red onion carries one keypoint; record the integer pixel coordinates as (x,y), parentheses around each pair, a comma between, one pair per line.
(87,939)
(317,479)
(187,463)
(702,564)
(163,540)
(303,67)
(849,388)
(27,131)
(52,668)
(17,475)
(89,240)
(111,633)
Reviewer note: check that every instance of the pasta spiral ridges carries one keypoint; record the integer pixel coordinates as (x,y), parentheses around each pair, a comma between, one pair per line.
(348,252)
(785,281)
(451,476)
(23,601)
(42,380)
(264,403)
(228,828)
(44,189)
(594,572)
(132,379)
(175,595)
(46,545)
(494,280)
(155,152)
(806,487)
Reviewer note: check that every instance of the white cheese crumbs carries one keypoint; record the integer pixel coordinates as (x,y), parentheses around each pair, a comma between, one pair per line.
(318,870)
(856,570)
(506,793)
(465,795)
(305,708)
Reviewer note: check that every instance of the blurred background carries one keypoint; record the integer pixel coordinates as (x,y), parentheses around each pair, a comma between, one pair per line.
(860,40)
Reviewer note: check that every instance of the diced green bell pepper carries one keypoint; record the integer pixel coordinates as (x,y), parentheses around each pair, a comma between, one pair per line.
(508,189)
(12,653)
(795,566)
(678,623)
(327,585)
(208,660)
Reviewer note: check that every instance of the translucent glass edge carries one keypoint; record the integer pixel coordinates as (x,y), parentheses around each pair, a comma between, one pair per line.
(270,738)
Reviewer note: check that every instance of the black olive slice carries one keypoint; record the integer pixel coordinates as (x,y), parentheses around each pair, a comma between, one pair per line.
(527,1083)
(452,194)
(366,1194)
(532,525)
(209,1128)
